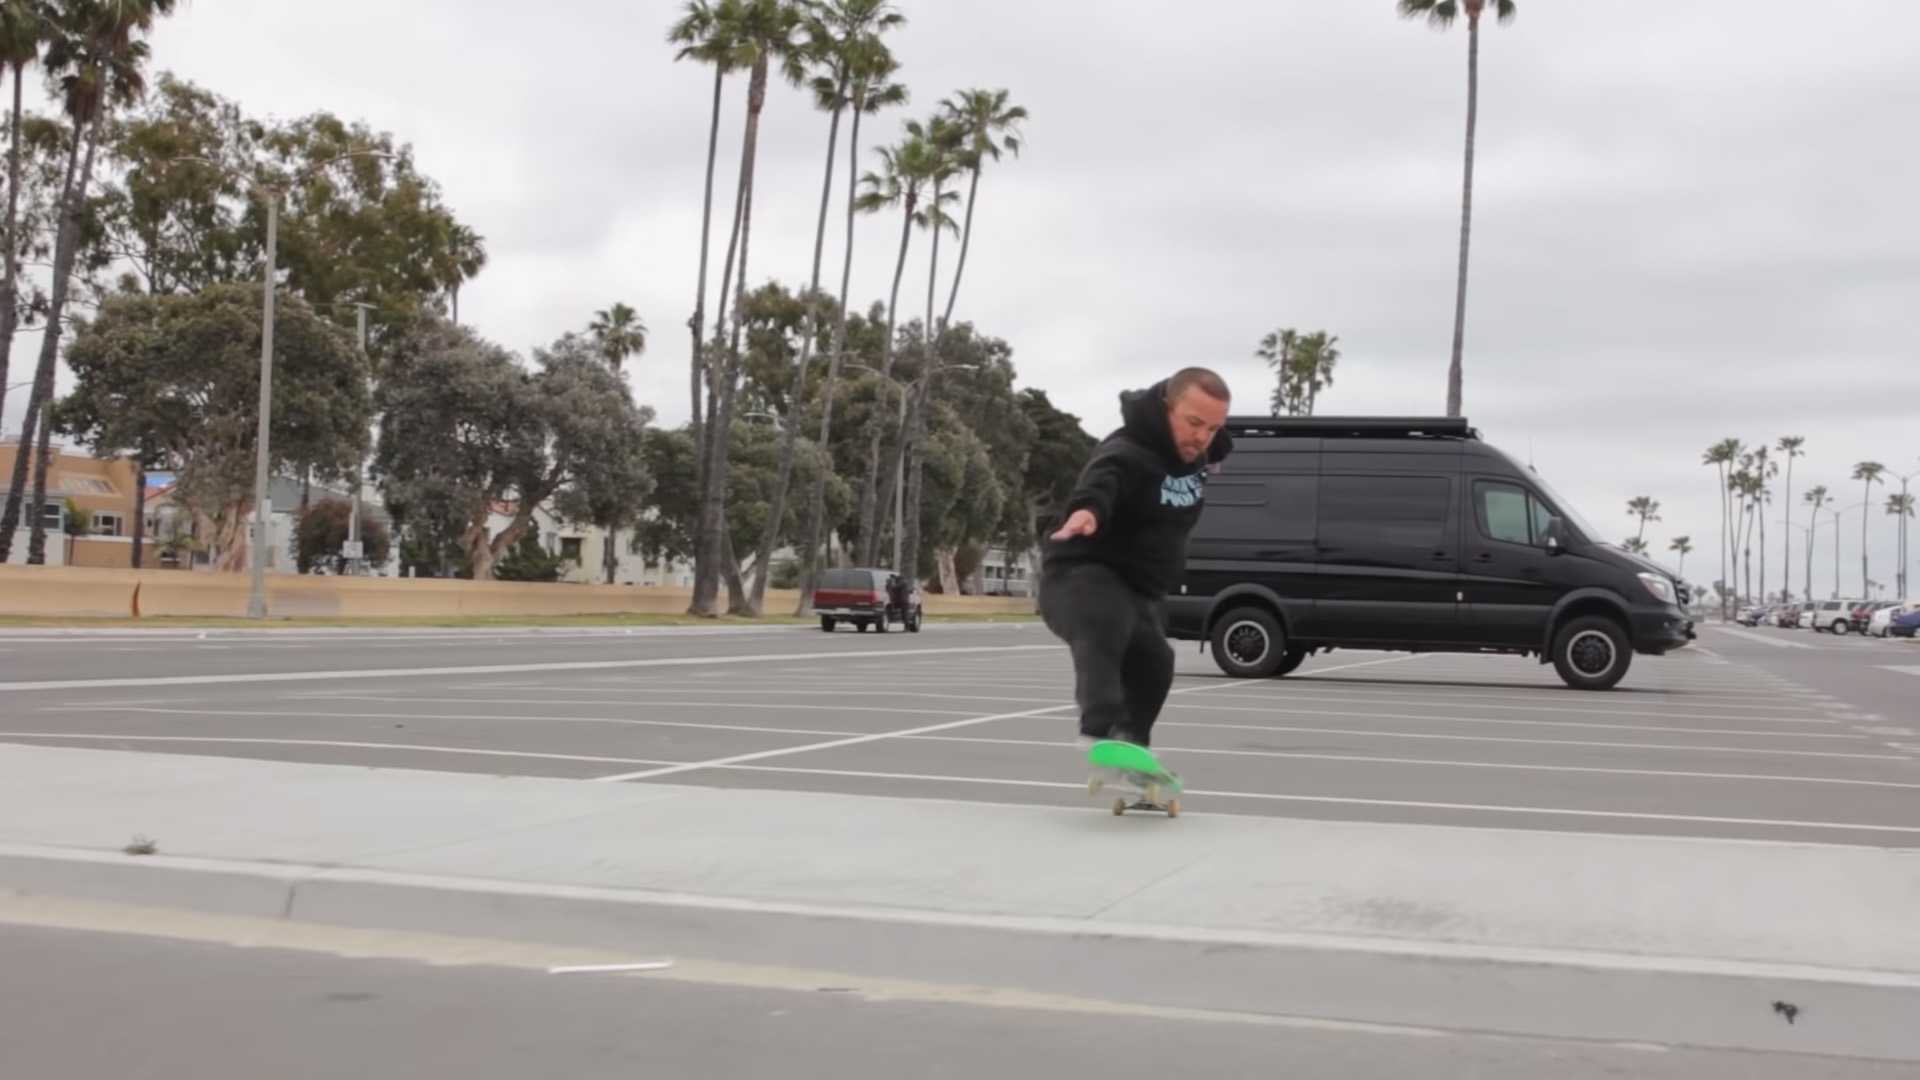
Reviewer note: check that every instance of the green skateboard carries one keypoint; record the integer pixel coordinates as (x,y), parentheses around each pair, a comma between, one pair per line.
(1134,770)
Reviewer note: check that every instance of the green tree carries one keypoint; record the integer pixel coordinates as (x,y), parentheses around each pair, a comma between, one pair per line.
(1303,364)
(1816,499)
(97,63)
(323,529)
(840,35)
(528,561)
(465,430)
(1868,473)
(1683,545)
(1647,509)
(178,377)
(1721,456)
(1792,446)
(707,33)
(868,88)
(618,332)
(23,33)
(1441,15)
(1635,545)
(768,34)
(1061,448)
(904,173)
(464,256)
(1900,508)
(989,126)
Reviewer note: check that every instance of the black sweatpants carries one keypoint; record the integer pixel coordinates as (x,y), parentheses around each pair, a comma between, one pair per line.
(1122,664)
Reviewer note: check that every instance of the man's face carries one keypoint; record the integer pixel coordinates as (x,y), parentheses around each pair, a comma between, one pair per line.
(1195,419)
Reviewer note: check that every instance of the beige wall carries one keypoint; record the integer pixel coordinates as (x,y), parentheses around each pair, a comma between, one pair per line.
(79,591)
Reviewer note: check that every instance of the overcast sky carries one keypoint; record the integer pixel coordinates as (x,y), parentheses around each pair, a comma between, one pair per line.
(1692,221)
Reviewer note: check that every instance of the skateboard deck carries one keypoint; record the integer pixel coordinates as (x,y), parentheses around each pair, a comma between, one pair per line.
(1135,771)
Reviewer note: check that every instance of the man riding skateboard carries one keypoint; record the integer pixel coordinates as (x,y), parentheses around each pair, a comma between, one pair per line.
(1106,572)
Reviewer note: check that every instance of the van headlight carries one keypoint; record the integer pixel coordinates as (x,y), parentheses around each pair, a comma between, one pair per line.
(1660,586)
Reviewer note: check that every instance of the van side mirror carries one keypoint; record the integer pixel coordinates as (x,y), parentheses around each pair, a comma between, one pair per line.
(1556,536)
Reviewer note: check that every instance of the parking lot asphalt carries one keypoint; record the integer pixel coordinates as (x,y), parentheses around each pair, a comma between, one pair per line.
(1756,734)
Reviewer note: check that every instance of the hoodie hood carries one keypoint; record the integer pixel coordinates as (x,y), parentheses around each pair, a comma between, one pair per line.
(1143,415)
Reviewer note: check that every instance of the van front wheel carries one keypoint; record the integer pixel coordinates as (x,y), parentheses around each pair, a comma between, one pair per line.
(1249,644)
(1592,653)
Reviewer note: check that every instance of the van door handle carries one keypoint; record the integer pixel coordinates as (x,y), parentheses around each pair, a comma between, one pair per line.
(1485,556)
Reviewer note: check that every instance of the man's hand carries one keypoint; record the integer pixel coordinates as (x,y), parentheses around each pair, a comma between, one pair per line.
(1081,523)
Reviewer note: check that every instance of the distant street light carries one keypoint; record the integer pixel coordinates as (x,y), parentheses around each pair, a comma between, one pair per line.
(257,598)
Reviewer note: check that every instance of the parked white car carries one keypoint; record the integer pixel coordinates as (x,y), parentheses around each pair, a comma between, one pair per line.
(1832,616)
(1882,622)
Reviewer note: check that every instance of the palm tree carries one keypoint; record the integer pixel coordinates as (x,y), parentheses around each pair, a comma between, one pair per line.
(23,31)
(767,32)
(707,34)
(619,333)
(1792,446)
(1764,470)
(1900,507)
(1635,545)
(1277,350)
(989,126)
(1868,472)
(1816,498)
(98,64)
(945,140)
(1646,508)
(1683,545)
(1441,14)
(466,256)
(904,172)
(1314,358)
(1720,455)
(843,37)
(869,89)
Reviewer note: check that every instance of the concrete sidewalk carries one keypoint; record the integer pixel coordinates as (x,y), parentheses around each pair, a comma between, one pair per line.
(1834,913)
(1641,940)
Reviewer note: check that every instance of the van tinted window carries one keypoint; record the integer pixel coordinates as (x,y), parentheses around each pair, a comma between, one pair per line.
(847,579)
(1390,511)
(1260,508)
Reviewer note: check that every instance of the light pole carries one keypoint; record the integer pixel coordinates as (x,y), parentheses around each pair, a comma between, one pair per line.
(1900,574)
(1836,544)
(257,597)
(353,552)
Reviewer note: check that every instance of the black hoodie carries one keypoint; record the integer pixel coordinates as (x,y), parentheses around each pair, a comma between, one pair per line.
(1145,498)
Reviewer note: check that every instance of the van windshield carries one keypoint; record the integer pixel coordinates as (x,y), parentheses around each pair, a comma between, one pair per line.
(1560,504)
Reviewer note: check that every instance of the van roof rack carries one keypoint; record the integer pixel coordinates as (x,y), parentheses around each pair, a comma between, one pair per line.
(1360,427)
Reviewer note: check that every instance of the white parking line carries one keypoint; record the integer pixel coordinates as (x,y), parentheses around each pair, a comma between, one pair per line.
(1276,695)
(1762,639)
(1505,721)
(332,743)
(288,714)
(1277,729)
(1369,759)
(737,759)
(1904,669)
(504,669)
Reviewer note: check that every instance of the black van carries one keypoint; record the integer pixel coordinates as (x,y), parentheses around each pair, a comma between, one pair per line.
(1408,535)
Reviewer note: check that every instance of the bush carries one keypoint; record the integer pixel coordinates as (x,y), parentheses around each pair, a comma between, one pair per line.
(528,561)
(323,528)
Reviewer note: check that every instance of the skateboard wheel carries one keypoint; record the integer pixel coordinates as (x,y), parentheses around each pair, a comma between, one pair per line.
(1119,807)
(1173,807)
(1094,784)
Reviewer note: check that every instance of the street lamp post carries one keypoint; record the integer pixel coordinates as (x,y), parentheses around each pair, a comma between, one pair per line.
(257,597)
(1836,544)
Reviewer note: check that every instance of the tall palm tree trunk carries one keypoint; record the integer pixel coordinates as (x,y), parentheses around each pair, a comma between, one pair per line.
(721,374)
(33,427)
(698,323)
(869,535)
(1454,378)
(1813,531)
(966,242)
(756,603)
(817,506)
(1760,512)
(1722,470)
(1866,590)
(9,286)
(1786,538)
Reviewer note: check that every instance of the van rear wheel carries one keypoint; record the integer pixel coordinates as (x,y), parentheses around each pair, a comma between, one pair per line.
(1249,644)
(1592,653)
